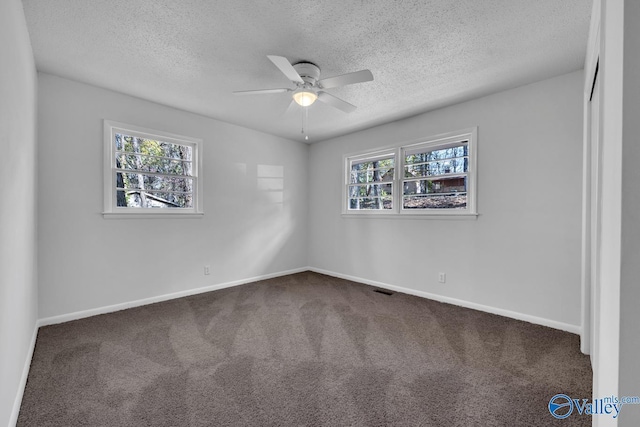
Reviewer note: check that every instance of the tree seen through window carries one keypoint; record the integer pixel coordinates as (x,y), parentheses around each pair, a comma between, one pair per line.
(152,173)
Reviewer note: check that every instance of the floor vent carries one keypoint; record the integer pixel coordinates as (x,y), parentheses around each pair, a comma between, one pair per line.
(380,291)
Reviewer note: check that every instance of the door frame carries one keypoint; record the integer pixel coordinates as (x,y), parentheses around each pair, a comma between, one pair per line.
(591,71)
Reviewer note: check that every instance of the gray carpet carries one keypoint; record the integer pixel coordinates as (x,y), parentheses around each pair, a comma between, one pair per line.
(304,349)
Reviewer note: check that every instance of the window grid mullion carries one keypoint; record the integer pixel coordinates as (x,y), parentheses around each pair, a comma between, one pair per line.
(435,177)
(434,194)
(142,172)
(133,153)
(406,165)
(151,190)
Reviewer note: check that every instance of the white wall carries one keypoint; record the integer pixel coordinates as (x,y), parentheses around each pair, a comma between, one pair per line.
(18,281)
(521,254)
(86,261)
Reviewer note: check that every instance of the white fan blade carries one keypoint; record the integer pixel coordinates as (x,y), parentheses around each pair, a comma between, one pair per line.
(291,108)
(346,79)
(336,102)
(287,69)
(261,91)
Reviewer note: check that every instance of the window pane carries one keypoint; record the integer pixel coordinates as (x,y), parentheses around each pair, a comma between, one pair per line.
(437,191)
(451,201)
(152,147)
(431,186)
(143,199)
(153,182)
(449,166)
(368,164)
(461,150)
(142,163)
(370,190)
(370,203)
(121,199)
(169,200)
(373,175)
(372,170)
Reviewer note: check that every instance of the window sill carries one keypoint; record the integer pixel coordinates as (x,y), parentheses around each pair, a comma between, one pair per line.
(451,216)
(147,215)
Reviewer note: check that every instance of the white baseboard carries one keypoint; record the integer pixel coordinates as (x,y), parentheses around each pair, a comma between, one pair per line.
(23,379)
(122,306)
(575,329)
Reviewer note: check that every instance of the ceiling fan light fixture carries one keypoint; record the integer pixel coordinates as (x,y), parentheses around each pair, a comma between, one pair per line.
(305,97)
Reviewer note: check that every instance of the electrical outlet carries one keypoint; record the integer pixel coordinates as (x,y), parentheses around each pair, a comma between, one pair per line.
(207,270)
(442,277)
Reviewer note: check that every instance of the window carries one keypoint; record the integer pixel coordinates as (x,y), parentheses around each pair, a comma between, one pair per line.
(435,176)
(149,172)
(370,184)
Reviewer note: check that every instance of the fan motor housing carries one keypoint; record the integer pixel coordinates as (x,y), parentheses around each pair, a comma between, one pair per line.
(309,72)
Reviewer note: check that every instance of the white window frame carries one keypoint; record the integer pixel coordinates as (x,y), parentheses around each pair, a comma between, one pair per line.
(369,156)
(398,151)
(111,210)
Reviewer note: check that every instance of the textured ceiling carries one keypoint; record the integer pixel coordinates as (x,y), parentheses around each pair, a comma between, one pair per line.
(192,54)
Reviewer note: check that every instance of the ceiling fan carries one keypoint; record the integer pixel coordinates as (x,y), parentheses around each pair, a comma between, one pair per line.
(305,75)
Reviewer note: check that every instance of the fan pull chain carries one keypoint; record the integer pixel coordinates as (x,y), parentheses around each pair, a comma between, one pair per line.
(305,121)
